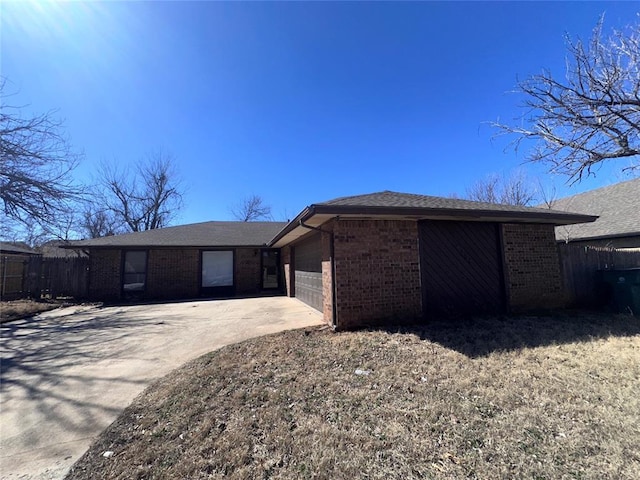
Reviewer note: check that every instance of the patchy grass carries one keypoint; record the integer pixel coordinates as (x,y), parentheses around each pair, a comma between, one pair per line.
(527,397)
(17,309)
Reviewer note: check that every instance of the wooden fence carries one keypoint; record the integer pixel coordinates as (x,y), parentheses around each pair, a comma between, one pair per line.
(32,276)
(580,267)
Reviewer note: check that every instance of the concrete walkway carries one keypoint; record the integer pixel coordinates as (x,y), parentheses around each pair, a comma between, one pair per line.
(68,373)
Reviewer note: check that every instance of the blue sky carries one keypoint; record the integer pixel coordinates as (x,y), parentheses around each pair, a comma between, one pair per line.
(295,102)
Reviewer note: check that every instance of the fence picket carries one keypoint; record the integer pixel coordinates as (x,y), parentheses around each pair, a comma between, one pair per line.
(36,276)
(580,265)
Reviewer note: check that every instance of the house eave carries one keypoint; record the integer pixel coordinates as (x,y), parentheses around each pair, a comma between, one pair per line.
(317,215)
(159,247)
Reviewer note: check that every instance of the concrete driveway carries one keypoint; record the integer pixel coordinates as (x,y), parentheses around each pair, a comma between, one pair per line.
(67,374)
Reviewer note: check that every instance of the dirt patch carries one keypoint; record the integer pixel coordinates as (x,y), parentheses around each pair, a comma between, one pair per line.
(17,309)
(393,404)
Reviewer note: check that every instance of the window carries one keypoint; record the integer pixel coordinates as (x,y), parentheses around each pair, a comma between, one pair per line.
(134,275)
(217,268)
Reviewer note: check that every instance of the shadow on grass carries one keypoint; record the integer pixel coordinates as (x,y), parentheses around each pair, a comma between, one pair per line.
(481,336)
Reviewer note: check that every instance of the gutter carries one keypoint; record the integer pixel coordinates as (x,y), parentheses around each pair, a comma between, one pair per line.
(304,215)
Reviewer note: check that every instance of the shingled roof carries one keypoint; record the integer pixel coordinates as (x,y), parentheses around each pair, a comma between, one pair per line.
(12,248)
(202,235)
(389,199)
(618,208)
(385,204)
(409,206)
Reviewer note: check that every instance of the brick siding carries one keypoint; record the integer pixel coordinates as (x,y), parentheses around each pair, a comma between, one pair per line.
(173,273)
(105,268)
(532,267)
(377,272)
(247,270)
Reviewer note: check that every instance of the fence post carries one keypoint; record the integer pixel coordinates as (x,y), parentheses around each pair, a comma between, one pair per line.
(34,277)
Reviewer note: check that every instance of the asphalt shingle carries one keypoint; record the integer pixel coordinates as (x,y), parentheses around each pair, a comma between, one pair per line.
(207,234)
(389,199)
(618,207)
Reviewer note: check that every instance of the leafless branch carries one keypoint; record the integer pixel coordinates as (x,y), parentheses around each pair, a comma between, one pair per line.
(251,209)
(36,163)
(592,115)
(145,197)
(515,189)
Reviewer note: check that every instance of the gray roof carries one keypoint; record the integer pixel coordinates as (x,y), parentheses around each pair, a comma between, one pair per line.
(12,248)
(389,204)
(254,234)
(205,235)
(388,200)
(618,207)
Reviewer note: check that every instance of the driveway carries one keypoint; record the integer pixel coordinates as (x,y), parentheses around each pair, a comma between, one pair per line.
(67,374)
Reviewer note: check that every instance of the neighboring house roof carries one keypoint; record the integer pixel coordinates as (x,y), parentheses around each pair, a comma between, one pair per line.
(395,205)
(11,248)
(618,208)
(204,235)
(62,249)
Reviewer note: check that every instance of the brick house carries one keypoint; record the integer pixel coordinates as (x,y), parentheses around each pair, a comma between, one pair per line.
(360,260)
(188,261)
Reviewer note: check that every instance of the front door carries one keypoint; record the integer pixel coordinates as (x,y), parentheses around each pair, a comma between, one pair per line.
(270,269)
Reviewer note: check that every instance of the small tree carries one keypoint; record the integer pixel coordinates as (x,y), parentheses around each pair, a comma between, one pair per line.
(592,115)
(143,198)
(36,165)
(512,190)
(251,209)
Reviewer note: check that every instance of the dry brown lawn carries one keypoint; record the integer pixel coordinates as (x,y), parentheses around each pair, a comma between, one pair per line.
(17,309)
(527,397)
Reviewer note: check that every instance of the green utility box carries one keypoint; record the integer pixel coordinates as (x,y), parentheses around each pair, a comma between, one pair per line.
(623,289)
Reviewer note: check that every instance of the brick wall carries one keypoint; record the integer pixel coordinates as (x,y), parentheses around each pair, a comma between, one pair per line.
(105,274)
(247,270)
(532,267)
(173,273)
(377,272)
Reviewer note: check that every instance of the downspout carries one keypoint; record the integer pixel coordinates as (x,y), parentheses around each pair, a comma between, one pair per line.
(333,270)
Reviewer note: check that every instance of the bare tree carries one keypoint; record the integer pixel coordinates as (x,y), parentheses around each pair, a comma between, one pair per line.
(512,190)
(143,198)
(251,209)
(485,190)
(96,223)
(548,195)
(592,115)
(36,163)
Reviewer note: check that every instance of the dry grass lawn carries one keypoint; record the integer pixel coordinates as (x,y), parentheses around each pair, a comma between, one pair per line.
(17,309)
(526,397)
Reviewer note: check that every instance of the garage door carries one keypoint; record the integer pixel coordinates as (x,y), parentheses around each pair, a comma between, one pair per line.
(308,272)
(461,268)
